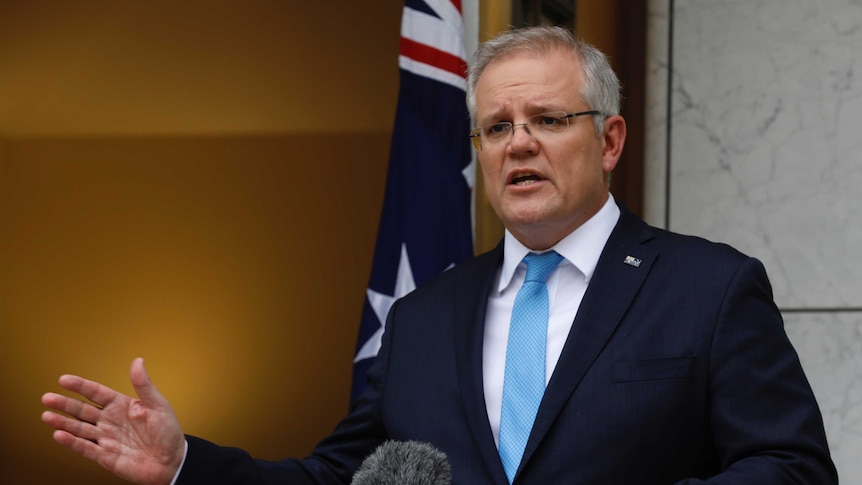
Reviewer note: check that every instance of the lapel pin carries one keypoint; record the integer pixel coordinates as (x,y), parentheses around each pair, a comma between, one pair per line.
(633,261)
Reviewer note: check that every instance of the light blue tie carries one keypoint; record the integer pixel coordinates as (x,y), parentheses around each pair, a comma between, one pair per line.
(524,380)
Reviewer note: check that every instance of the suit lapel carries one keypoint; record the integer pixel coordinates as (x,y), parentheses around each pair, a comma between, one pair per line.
(621,270)
(471,304)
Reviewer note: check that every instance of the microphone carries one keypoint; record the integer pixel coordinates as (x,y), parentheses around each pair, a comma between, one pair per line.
(404,463)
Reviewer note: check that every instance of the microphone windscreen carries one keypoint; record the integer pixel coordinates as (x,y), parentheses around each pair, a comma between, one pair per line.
(404,463)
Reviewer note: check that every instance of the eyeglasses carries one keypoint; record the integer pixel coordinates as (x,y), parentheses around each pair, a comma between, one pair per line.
(541,126)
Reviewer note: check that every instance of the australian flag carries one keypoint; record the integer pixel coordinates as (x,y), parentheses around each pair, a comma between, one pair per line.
(425,226)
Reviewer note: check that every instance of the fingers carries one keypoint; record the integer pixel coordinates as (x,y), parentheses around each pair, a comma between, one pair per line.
(82,411)
(95,392)
(88,449)
(83,418)
(144,387)
(70,427)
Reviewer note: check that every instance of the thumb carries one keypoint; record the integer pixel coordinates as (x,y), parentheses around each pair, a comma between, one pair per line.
(144,387)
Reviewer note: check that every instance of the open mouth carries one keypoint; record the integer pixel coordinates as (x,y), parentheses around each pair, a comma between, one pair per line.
(523,179)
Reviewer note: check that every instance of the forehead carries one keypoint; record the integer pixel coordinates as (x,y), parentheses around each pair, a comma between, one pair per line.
(527,81)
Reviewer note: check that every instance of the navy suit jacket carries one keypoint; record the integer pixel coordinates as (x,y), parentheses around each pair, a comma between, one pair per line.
(677,369)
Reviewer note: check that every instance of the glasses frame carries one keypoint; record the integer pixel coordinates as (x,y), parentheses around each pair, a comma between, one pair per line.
(476,133)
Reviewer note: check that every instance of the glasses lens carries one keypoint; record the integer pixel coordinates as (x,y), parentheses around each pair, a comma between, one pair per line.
(553,122)
(496,131)
(537,126)
(477,141)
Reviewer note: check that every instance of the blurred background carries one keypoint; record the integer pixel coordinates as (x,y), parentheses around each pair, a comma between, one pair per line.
(197,183)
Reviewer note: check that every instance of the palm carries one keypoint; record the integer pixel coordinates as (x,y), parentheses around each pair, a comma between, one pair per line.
(139,440)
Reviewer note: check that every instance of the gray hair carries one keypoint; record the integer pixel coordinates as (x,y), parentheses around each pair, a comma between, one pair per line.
(601,89)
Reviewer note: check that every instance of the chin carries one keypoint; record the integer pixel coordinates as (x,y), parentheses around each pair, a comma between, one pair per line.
(536,224)
(528,214)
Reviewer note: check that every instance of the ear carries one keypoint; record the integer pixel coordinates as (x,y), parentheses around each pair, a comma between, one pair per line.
(614,139)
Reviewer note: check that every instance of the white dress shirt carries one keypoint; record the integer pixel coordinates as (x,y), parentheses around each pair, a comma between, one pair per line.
(566,286)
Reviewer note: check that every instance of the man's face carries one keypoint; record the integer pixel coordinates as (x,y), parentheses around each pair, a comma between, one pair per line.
(543,187)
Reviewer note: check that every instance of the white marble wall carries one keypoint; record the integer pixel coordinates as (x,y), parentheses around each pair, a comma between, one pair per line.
(763,150)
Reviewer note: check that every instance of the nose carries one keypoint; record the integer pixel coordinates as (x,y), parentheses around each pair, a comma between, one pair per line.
(523,142)
(525,125)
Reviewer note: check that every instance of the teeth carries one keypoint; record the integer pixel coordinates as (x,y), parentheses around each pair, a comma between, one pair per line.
(525,178)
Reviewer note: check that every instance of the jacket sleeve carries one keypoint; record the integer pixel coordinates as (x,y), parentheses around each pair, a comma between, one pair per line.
(766,425)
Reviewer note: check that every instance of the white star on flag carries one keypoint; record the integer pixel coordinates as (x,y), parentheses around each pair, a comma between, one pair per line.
(404,284)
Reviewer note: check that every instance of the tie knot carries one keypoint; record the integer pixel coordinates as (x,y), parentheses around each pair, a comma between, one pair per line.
(539,266)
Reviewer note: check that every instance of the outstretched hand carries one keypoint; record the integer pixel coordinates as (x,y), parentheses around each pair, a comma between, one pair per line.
(139,440)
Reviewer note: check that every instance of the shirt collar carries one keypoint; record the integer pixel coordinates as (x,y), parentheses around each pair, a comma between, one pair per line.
(581,248)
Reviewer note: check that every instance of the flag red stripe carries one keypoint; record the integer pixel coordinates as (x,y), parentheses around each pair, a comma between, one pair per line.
(434,57)
(457,4)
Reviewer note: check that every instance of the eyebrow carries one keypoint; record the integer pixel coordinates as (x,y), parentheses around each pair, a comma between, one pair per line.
(496,116)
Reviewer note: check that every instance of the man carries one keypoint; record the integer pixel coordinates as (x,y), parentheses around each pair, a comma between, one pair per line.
(663,356)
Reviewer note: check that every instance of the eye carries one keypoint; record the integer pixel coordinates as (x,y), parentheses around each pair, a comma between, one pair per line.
(498,128)
(552,122)
(548,121)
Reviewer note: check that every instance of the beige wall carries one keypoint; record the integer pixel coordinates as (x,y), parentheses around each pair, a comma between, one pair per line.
(107,67)
(197,183)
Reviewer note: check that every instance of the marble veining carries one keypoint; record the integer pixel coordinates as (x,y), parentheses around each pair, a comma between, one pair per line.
(765,146)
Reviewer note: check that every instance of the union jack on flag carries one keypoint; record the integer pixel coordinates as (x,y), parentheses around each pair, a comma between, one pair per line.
(425,226)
